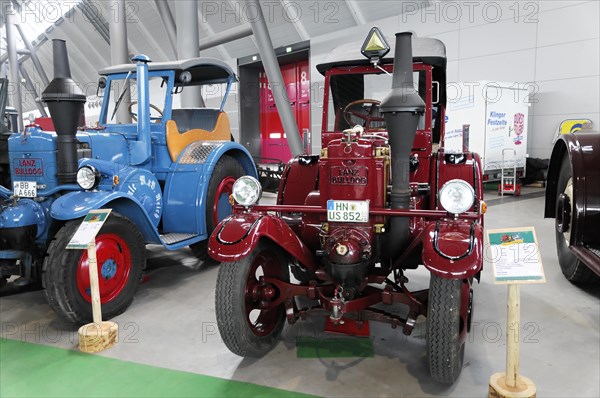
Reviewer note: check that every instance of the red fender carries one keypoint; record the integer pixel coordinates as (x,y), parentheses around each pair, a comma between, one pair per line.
(236,236)
(453,249)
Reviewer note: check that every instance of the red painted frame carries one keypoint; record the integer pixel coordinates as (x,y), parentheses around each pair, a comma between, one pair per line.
(450,245)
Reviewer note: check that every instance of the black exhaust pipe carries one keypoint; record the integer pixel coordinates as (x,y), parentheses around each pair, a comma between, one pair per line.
(65,102)
(401,109)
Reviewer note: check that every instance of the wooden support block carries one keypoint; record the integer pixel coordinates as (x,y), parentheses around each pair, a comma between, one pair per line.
(94,337)
(499,389)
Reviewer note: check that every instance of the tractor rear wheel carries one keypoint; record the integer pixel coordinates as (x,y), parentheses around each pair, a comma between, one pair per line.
(248,324)
(226,171)
(445,347)
(121,257)
(572,267)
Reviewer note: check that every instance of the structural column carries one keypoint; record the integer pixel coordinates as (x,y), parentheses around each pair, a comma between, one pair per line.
(269,60)
(119,54)
(188,37)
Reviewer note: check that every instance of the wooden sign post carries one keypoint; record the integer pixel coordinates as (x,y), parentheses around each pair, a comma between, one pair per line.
(516,260)
(99,335)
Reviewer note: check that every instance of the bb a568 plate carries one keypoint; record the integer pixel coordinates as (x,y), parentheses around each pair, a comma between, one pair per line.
(347,211)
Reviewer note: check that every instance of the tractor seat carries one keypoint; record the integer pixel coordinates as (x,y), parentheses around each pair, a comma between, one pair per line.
(195,118)
(191,125)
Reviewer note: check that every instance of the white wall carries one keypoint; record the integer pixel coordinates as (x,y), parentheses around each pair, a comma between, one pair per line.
(554,46)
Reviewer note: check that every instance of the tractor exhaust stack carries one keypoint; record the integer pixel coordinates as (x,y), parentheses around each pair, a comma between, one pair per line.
(65,102)
(402,109)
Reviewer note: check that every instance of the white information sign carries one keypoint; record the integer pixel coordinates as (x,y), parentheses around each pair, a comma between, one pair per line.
(89,228)
(515,256)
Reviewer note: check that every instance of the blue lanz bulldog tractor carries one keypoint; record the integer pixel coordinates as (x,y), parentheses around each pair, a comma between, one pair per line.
(167,176)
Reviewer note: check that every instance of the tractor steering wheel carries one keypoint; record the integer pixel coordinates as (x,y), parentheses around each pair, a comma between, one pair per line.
(152,118)
(366,111)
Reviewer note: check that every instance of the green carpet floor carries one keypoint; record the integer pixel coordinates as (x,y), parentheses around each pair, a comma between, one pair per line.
(32,370)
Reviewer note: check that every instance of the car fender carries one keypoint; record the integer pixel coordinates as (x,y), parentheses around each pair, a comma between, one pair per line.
(453,249)
(75,205)
(188,181)
(583,150)
(237,235)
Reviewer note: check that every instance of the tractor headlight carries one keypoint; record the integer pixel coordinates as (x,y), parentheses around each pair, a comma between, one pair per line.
(88,177)
(246,190)
(457,196)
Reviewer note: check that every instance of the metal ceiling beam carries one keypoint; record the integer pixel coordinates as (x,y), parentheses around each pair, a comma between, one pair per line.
(239,18)
(226,36)
(20,51)
(34,58)
(269,60)
(96,19)
(296,22)
(356,13)
(13,64)
(166,16)
(94,48)
(209,32)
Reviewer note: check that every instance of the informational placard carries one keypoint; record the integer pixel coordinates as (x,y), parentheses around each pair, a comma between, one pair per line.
(515,256)
(89,228)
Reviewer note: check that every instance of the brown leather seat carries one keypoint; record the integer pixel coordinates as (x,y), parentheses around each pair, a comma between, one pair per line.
(177,142)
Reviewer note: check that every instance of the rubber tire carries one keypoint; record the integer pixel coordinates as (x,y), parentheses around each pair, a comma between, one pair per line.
(59,273)
(445,352)
(572,267)
(227,166)
(230,305)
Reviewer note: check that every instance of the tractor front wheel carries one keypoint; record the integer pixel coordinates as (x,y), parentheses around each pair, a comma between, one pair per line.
(445,324)
(249,324)
(226,171)
(121,257)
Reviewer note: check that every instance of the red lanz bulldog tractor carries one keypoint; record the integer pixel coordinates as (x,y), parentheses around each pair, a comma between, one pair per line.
(347,224)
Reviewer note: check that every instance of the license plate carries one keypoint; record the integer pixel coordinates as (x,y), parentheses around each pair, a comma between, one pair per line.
(25,189)
(348,210)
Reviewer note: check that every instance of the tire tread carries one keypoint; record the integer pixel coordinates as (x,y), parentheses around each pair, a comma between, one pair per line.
(443,314)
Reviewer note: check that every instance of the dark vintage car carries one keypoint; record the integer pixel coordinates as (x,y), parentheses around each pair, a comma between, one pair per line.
(573,200)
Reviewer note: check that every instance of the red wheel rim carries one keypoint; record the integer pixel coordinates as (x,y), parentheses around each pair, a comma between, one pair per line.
(221,205)
(259,295)
(114,265)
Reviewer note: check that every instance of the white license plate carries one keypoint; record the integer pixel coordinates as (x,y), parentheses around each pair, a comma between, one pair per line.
(25,189)
(348,210)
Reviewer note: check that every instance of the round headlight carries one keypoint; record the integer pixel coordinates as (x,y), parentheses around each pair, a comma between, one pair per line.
(88,177)
(246,190)
(457,196)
